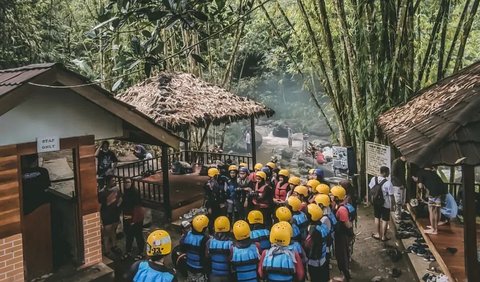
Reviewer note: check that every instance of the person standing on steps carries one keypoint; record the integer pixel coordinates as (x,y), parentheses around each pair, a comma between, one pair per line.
(382,211)
(399,184)
(133,215)
(159,245)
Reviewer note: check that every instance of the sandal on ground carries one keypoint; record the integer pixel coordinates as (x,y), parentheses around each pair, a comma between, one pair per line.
(376,237)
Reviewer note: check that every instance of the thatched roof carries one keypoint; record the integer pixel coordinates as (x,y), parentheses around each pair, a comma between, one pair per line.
(441,123)
(177,100)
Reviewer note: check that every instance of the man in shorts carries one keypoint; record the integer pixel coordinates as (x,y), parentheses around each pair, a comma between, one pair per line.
(437,189)
(382,213)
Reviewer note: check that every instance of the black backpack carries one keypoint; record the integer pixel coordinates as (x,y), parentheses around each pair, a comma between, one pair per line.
(377,193)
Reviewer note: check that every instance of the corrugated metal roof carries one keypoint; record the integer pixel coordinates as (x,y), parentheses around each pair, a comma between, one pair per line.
(441,124)
(13,78)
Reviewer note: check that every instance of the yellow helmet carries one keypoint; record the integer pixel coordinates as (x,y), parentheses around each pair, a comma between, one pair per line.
(339,192)
(241,230)
(284,172)
(311,171)
(294,203)
(287,226)
(294,180)
(255,217)
(283,214)
(271,165)
(232,167)
(302,190)
(200,222)
(313,183)
(280,234)
(315,212)
(222,224)
(212,172)
(323,189)
(159,243)
(322,199)
(243,165)
(258,166)
(261,174)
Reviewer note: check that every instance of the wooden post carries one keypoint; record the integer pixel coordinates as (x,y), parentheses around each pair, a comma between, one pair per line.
(469,225)
(253,143)
(166,184)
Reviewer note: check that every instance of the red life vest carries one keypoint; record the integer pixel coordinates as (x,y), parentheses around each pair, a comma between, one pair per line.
(281,191)
(260,203)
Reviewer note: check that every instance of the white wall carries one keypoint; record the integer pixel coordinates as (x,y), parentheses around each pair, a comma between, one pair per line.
(55,112)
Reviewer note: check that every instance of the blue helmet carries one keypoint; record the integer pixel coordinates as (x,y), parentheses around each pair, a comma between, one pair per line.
(266,169)
(319,172)
(244,170)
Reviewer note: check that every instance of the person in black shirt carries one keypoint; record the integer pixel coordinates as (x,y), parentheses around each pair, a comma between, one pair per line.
(35,180)
(106,163)
(398,181)
(437,189)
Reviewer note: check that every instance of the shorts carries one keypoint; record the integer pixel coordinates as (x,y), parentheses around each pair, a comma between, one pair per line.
(435,202)
(381,213)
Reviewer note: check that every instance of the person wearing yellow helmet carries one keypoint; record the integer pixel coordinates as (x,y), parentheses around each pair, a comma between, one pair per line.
(311,174)
(283,214)
(159,244)
(298,218)
(282,187)
(215,196)
(259,233)
(312,187)
(344,231)
(245,187)
(263,198)
(194,243)
(302,193)
(329,219)
(252,176)
(218,250)
(245,254)
(279,263)
(317,245)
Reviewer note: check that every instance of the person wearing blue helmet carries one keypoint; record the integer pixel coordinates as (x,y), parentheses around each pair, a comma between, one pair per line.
(319,175)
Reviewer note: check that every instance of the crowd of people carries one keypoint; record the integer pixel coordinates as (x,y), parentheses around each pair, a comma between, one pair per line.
(260,225)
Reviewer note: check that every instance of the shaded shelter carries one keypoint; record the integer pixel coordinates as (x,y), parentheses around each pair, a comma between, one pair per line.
(180,100)
(441,126)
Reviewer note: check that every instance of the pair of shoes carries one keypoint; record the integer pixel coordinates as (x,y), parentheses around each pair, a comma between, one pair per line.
(420,241)
(403,235)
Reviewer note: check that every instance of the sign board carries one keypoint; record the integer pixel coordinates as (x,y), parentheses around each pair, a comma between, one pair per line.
(48,144)
(378,155)
(340,158)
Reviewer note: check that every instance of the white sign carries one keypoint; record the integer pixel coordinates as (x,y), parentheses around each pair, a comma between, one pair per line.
(378,155)
(48,144)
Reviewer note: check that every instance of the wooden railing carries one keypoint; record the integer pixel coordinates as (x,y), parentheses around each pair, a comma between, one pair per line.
(138,168)
(454,188)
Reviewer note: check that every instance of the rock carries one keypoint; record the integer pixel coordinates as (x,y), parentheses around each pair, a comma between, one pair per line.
(376,279)
(301,164)
(280,130)
(284,163)
(287,154)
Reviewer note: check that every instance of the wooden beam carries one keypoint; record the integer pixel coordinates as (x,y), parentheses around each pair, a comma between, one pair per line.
(119,109)
(253,143)
(166,183)
(469,225)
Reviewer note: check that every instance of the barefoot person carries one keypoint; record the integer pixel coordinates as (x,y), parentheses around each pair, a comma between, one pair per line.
(382,211)
(429,179)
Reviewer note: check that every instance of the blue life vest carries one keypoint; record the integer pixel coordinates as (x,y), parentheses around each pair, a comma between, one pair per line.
(351,212)
(244,261)
(296,247)
(146,274)
(220,255)
(279,266)
(192,245)
(296,232)
(302,222)
(325,232)
(231,190)
(262,236)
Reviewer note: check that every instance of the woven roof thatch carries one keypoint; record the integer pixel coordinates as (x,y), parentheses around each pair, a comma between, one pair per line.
(177,100)
(441,123)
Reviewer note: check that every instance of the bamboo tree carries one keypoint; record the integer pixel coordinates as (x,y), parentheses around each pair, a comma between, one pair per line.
(460,24)
(465,35)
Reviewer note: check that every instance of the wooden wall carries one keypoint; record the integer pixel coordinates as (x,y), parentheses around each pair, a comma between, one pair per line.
(10,184)
(9,191)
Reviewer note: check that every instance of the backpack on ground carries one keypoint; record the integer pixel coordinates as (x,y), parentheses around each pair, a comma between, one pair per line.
(377,193)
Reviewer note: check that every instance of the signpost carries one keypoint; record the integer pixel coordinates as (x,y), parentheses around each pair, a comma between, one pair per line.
(340,158)
(48,144)
(377,155)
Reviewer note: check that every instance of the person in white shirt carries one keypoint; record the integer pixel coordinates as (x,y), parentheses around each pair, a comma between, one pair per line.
(248,142)
(382,213)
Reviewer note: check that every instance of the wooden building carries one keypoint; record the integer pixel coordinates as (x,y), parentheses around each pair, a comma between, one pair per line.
(441,126)
(41,121)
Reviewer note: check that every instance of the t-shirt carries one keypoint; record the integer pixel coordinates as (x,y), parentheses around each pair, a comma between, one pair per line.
(110,210)
(342,214)
(398,173)
(34,183)
(433,183)
(105,161)
(387,189)
(248,138)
